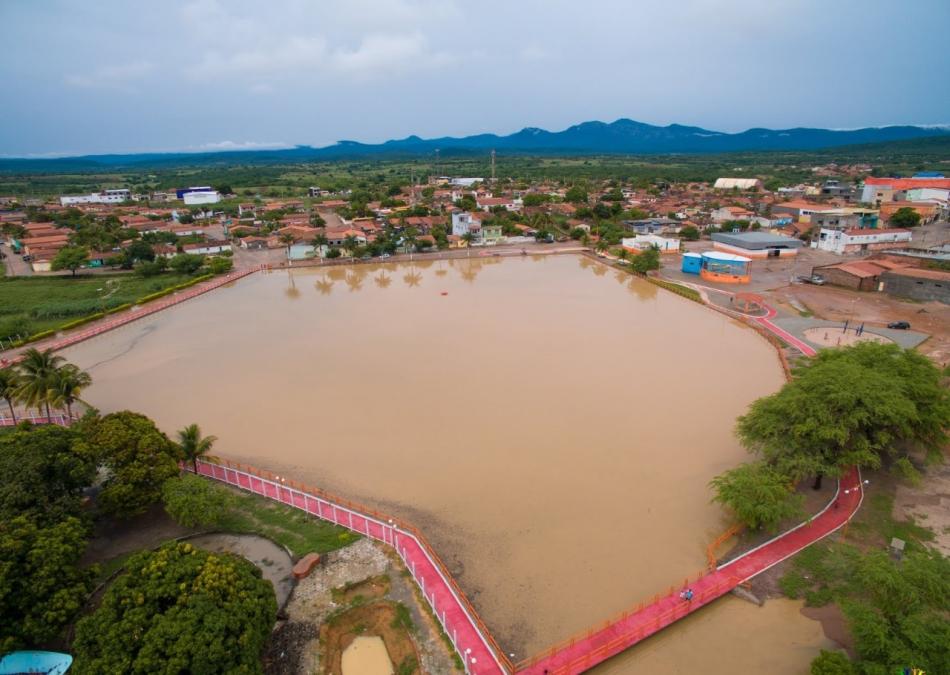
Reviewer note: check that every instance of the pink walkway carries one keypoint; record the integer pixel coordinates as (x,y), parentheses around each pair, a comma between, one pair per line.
(132,314)
(582,653)
(458,619)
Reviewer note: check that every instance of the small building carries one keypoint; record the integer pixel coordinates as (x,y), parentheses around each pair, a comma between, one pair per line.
(643,242)
(653,226)
(692,263)
(194,197)
(737,184)
(491,234)
(845,219)
(863,275)
(918,284)
(463,222)
(756,244)
(207,247)
(844,242)
(725,268)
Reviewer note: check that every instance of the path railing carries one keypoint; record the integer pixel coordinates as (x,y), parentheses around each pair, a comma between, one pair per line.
(461,623)
(60,419)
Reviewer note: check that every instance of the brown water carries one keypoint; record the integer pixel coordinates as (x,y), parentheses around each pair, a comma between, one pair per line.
(549,423)
(730,636)
(366,655)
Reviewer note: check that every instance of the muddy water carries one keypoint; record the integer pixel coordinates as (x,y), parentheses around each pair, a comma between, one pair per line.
(727,637)
(366,656)
(551,424)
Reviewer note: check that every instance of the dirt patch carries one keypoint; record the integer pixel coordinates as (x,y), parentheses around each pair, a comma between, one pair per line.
(833,624)
(382,619)
(361,574)
(928,504)
(361,591)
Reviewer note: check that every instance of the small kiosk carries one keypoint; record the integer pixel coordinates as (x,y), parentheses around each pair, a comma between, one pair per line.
(725,268)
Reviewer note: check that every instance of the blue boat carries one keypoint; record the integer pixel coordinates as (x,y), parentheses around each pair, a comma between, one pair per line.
(50,663)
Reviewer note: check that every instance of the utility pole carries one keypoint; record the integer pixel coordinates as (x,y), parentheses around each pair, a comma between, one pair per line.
(493,165)
(437,172)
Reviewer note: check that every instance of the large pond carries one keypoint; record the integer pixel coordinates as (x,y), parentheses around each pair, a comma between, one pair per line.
(551,424)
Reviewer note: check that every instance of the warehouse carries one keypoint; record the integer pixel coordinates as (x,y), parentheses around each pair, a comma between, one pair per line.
(756,244)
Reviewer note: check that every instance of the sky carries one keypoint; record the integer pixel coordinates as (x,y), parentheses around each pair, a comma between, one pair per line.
(90,77)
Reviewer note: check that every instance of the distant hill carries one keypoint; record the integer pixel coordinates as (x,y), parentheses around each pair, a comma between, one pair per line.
(621,137)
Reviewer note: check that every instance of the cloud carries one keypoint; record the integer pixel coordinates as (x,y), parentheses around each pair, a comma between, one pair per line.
(225,146)
(112,77)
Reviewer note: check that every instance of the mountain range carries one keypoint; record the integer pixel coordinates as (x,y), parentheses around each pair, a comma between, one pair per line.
(622,137)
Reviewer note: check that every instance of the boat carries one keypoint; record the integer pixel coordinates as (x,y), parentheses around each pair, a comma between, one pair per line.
(50,663)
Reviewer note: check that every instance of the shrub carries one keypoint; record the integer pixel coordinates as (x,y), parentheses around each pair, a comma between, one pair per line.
(194,501)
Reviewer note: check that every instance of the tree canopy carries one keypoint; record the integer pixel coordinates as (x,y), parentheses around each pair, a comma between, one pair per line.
(179,610)
(905,217)
(760,496)
(139,457)
(70,258)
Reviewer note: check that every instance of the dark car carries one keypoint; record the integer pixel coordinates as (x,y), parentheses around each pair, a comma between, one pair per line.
(899,325)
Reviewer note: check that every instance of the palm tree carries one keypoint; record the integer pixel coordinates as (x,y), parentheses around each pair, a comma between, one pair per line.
(193,445)
(68,382)
(37,375)
(9,382)
(286,239)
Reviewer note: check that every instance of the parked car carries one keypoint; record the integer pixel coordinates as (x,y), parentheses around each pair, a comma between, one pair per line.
(816,279)
(899,325)
(384,256)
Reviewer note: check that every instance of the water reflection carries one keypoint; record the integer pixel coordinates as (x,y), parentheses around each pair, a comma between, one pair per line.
(292,291)
(382,280)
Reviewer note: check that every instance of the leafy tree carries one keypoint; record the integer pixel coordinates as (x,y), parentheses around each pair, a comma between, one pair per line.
(42,586)
(181,610)
(646,261)
(194,501)
(905,217)
(37,373)
(220,265)
(70,258)
(186,263)
(139,457)
(316,220)
(757,494)
(825,420)
(576,195)
(152,269)
(42,475)
(535,199)
(185,218)
(9,384)
(689,233)
(831,663)
(140,250)
(66,386)
(577,233)
(192,446)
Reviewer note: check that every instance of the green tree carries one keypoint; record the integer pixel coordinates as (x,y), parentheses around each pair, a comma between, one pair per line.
(182,610)
(42,475)
(220,265)
(66,386)
(689,233)
(152,269)
(37,374)
(70,258)
(140,251)
(194,501)
(576,195)
(758,495)
(9,385)
(186,263)
(823,421)
(905,217)
(831,663)
(192,446)
(139,457)
(646,261)
(42,586)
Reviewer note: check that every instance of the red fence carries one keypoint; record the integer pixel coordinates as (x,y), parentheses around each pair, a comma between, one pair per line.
(469,636)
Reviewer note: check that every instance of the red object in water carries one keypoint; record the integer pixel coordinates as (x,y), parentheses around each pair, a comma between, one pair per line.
(445,292)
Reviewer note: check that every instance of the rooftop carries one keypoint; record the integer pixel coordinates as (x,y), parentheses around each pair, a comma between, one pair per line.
(756,241)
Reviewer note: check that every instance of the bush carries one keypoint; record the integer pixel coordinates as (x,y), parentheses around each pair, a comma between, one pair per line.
(193,501)
(831,663)
(179,609)
(221,265)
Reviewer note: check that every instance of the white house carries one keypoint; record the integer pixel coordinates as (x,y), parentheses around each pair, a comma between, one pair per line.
(643,242)
(201,197)
(116,196)
(737,184)
(510,203)
(463,223)
(860,240)
(207,247)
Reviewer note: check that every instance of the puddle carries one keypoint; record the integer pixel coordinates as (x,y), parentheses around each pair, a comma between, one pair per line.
(366,655)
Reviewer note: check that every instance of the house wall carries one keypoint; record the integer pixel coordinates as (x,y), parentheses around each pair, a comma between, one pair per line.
(757,254)
(838,277)
(916,289)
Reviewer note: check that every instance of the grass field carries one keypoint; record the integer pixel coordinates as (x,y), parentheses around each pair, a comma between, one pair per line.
(29,305)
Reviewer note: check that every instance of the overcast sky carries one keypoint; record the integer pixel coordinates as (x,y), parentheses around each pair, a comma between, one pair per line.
(95,76)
